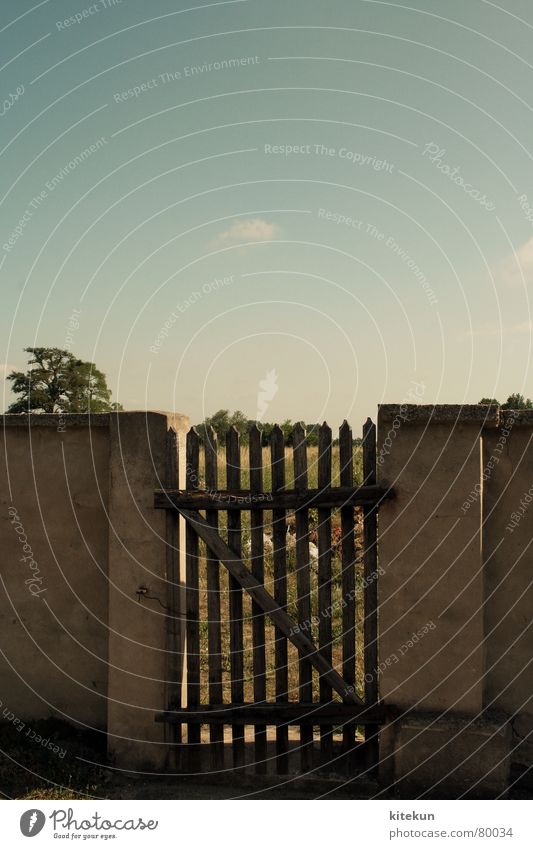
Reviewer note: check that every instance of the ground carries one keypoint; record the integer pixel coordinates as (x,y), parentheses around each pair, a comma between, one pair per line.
(30,771)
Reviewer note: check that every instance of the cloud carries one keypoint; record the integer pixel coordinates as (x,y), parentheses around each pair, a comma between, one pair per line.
(517,268)
(246,230)
(522,327)
(494,330)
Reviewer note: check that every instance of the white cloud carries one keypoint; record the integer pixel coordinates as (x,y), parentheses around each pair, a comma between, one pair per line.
(517,268)
(522,327)
(246,230)
(494,330)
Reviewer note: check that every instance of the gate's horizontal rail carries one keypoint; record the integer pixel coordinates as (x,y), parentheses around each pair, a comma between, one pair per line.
(277,713)
(289,499)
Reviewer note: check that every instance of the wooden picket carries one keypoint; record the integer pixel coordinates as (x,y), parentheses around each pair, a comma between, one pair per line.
(233,476)
(325,581)
(258,617)
(348,572)
(370,560)
(213,603)
(279,534)
(192,603)
(303,584)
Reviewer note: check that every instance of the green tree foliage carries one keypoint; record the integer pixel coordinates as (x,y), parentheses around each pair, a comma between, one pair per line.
(222,420)
(286,429)
(312,431)
(516,401)
(266,430)
(57,382)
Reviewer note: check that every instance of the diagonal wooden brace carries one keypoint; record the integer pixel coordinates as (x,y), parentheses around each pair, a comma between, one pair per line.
(267,603)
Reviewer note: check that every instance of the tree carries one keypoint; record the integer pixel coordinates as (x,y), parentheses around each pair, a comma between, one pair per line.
(241,422)
(57,382)
(221,421)
(517,402)
(312,431)
(266,432)
(287,428)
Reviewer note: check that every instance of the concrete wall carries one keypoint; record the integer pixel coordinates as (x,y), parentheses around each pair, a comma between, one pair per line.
(54,633)
(507,557)
(455,595)
(92,585)
(139,592)
(89,609)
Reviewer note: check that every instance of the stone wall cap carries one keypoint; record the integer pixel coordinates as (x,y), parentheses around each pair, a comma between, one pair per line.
(480,414)
(81,419)
(55,419)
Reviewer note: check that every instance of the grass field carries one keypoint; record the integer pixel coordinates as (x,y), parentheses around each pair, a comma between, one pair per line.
(312,463)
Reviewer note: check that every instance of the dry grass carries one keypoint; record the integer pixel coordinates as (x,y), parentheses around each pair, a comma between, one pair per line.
(312,463)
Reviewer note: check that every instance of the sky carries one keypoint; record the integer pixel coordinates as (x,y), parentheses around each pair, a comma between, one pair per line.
(296,209)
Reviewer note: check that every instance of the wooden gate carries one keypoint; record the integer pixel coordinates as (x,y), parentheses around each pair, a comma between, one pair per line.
(281,649)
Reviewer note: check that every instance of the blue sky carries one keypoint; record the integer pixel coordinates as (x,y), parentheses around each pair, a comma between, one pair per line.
(337,196)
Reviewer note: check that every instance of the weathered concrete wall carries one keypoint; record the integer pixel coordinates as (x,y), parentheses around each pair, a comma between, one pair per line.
(53,505)
(91,601)
(138,591)
(455,551)
(90,620)
(507,557)
(431,556)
